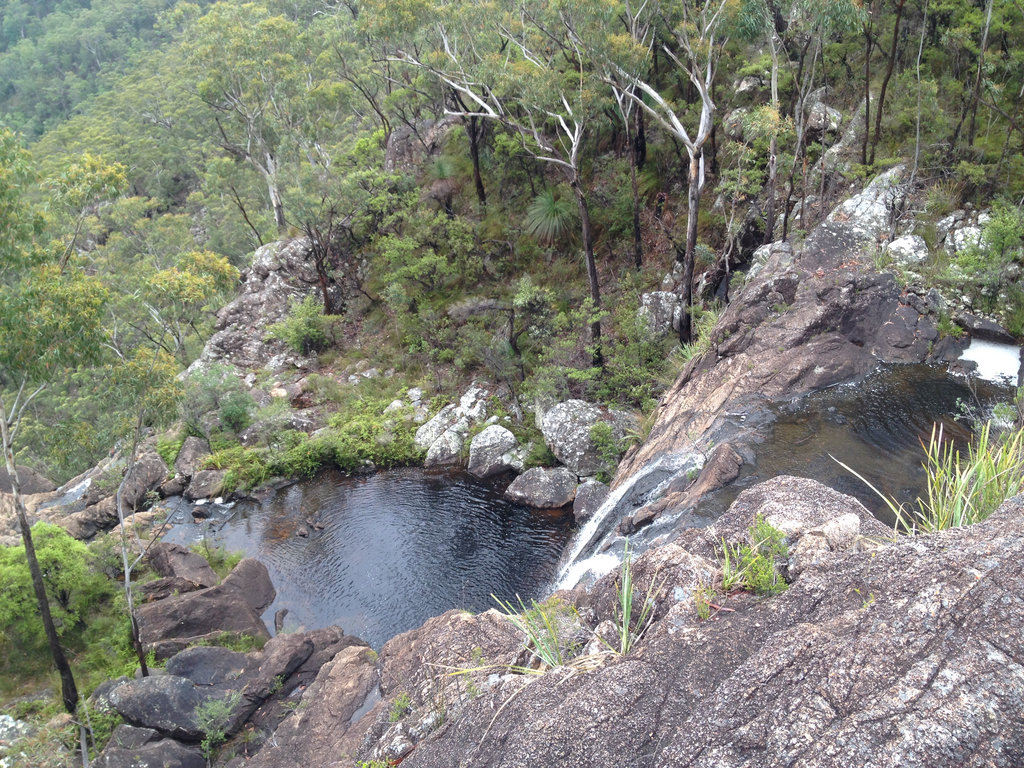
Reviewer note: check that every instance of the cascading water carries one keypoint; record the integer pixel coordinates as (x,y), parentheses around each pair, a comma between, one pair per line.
(587,555)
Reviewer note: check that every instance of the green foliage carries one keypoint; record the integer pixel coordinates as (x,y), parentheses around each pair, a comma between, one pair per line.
(609,448)
(703,320)
(551,628)
(213,717)
(962,489)
(168,445)
(633,620)
(218,389)
(75,590)
(1002,243)
(400,707)
(551,216)
(754,565)
(221,560)
(306,329)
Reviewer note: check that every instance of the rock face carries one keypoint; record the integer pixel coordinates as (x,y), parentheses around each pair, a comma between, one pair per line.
(885,654)
(30,481)
(543,488)
(566,428)
(173,561)
(804,320)
(281,273)
(190,458)
(131,747)
(444,435)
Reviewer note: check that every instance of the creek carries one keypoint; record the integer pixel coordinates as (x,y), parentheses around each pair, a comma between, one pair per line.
(876,426)
(378,555)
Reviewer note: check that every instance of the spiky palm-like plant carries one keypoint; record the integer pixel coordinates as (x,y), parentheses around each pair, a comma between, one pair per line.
(551,216)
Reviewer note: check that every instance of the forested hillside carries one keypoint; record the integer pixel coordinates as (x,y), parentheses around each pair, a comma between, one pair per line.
(554,159)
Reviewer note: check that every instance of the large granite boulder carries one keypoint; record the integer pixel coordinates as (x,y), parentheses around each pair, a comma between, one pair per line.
(206,483)
(567,430)
(132,747)
(444,435)
(544,488)
(191,456)
(493,451)
(164,703)
(30,480)
(168,626)
(145,475)
(175,561)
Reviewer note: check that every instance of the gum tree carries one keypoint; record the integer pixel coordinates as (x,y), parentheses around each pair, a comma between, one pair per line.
(49,322)
(515,64)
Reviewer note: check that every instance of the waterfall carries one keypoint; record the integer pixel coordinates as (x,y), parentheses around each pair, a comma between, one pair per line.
(587,554)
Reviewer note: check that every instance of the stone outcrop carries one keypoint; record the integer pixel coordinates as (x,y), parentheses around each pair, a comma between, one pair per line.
(281,273)
(881,653)
(444,435)
(567,431)
(543,488)
(805,319)
(131,747)
(30,480)
(493,451)
(234,607)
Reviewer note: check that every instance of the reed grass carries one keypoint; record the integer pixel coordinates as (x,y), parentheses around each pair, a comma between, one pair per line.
(962,488)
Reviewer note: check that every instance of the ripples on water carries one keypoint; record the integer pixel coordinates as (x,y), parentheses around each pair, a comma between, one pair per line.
(381,554)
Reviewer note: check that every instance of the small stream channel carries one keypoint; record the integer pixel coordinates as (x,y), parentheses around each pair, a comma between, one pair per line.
(379,555)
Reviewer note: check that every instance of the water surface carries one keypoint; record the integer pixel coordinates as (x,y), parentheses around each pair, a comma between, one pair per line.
(379,555)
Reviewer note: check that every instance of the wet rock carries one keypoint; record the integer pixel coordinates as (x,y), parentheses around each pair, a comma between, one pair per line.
(589,498)
(493,451)
(544,488)
(984,328)
(191,456)
(567,427)
(899,656)
(94,519)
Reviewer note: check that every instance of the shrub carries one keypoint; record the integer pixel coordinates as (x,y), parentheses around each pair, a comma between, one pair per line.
(551,628)
(306,329)
(218,389)
(962,489)
(754,565)
(73,587)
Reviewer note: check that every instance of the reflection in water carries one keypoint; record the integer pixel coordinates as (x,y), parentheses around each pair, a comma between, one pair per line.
(381,554)
(875,426)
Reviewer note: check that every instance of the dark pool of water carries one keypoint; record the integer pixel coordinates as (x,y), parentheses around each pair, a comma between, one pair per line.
(383,553)
(875,426)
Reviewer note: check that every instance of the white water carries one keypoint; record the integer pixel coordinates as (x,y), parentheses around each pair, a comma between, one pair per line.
(998,363)
(601,563)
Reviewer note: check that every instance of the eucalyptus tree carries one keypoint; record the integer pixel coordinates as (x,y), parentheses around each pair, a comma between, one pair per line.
(515,63)
(49,322)
(257,75)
